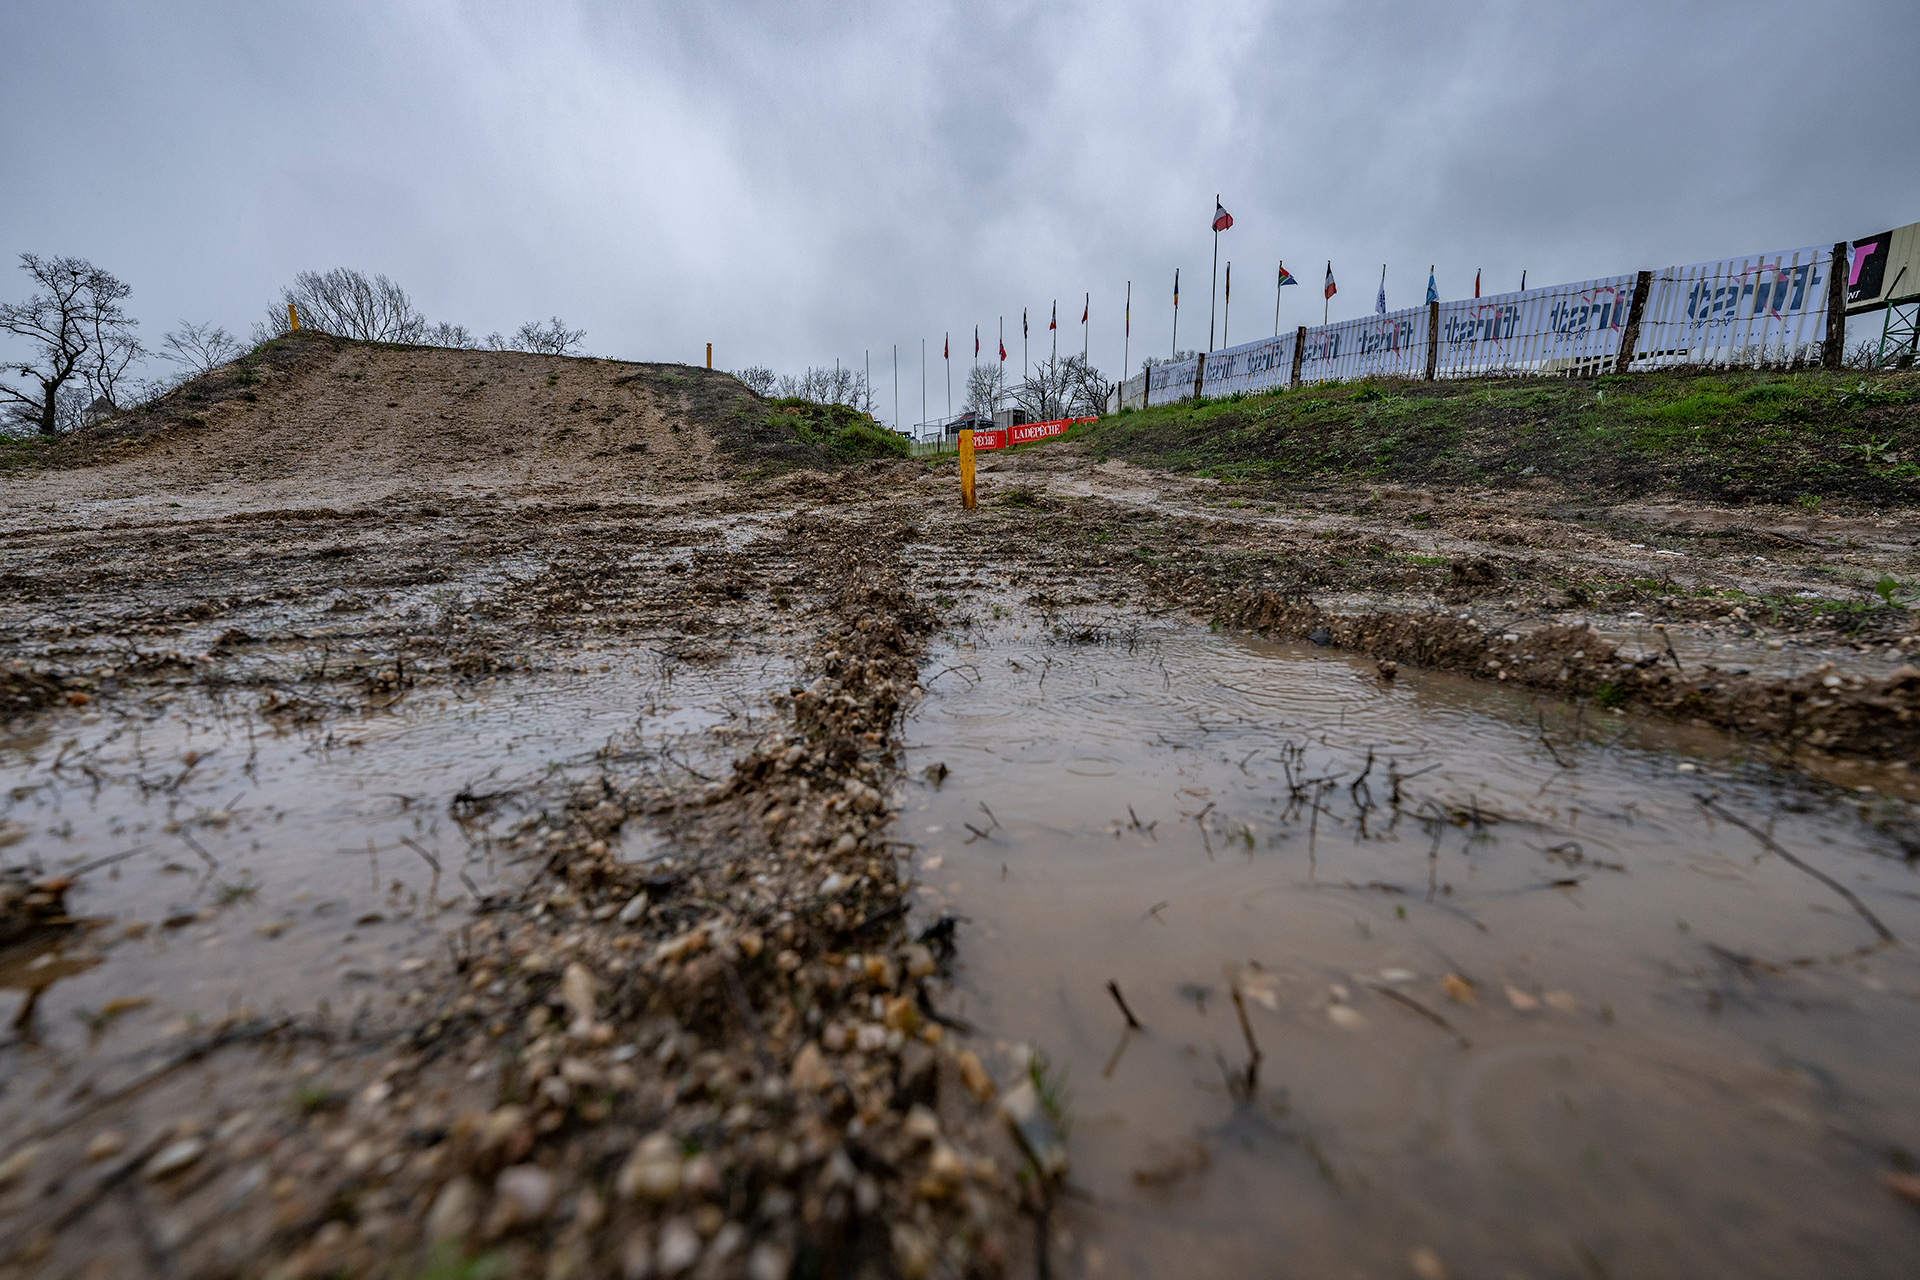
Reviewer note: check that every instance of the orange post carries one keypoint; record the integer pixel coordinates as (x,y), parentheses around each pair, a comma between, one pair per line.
(293,317)
(966,468)
(709,355)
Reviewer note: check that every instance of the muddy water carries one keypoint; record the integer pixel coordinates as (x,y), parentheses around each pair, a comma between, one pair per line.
(1547,1018)
(230,861)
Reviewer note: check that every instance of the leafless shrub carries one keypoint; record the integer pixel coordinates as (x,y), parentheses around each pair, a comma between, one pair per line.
(200,348)
(446,334)
(79,337)
(757,378)
(347,304)
(838,385)
(550,339)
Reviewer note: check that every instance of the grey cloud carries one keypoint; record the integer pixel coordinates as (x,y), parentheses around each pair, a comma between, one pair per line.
(800,183)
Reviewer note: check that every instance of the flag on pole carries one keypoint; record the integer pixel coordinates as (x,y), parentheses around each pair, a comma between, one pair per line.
(946,348)
(1086,309)
(1176,288)
(1380,299)
(976,342)
(1229,280)
(1221,218)
(1286,277)
(1003,350)
(1054,323)
(1023,322)
(1332,288)
(1476,282)
(1433,293)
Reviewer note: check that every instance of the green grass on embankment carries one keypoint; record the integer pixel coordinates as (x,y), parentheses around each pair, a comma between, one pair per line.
(1731,436)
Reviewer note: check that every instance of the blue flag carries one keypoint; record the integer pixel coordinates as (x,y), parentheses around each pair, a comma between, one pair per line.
(1433,294)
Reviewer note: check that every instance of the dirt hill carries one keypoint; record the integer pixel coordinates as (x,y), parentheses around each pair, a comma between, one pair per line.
(317,421)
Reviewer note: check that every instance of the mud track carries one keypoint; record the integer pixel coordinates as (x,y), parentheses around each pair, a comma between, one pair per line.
(733,1053)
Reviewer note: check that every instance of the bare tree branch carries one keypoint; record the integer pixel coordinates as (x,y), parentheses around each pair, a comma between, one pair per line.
(77,330)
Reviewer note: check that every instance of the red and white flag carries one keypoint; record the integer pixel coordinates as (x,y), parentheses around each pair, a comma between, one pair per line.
(1332,288)
(1054,322)
(1086,308)
(1221,218)
(1476,282)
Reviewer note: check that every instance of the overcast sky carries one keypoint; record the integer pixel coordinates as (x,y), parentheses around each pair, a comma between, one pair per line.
(797,183)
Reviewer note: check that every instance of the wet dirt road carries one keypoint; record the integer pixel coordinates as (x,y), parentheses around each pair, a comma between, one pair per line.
(628,766)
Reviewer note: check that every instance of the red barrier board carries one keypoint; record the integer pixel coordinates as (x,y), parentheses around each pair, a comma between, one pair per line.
(1026,432)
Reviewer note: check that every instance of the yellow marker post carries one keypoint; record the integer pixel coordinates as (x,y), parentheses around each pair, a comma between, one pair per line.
(966,468)
(293,317)
(709,355)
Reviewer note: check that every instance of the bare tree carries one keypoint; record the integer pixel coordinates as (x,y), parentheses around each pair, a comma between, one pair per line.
(201,348)
(550,339)
(348,304)
(77,330)
(758,379)
(986,386)
(1062,387)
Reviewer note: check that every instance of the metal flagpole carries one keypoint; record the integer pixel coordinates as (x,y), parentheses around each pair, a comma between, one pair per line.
(1086,332)
(1176,314)
(1213,288)
(1226,316)
(1126,339)
(868,389)
(946,358)
(1000,383)
(1278,277)
(896,386)
(923,384)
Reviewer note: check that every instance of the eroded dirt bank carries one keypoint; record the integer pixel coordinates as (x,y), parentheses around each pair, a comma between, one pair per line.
(681,1017)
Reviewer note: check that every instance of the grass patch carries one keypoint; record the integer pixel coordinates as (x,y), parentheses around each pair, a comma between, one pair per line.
(1729,436)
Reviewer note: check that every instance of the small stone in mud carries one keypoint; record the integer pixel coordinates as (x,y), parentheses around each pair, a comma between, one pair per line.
(1388,669)
(527,1190)
(1321,636)
(679,1246)
(653,1171)
(105,1144)
(174,1157)
(974,1076)
(454,1210)
(16,1165)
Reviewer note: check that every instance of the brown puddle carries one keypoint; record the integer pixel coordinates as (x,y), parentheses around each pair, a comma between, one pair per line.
(224,861)
(1551,1018)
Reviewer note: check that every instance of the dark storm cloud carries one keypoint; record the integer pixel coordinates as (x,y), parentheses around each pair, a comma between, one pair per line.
(800,183)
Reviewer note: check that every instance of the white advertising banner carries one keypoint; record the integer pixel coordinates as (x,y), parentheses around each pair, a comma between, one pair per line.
(1392,345)
(1169,382)
(1770,307)
(1563,328)
(1252,366)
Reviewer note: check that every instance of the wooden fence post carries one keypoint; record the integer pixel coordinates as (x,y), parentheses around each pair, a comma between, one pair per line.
(1199,376)
(1433,339)
(1834,348)
(1299,352)
(1630,335)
